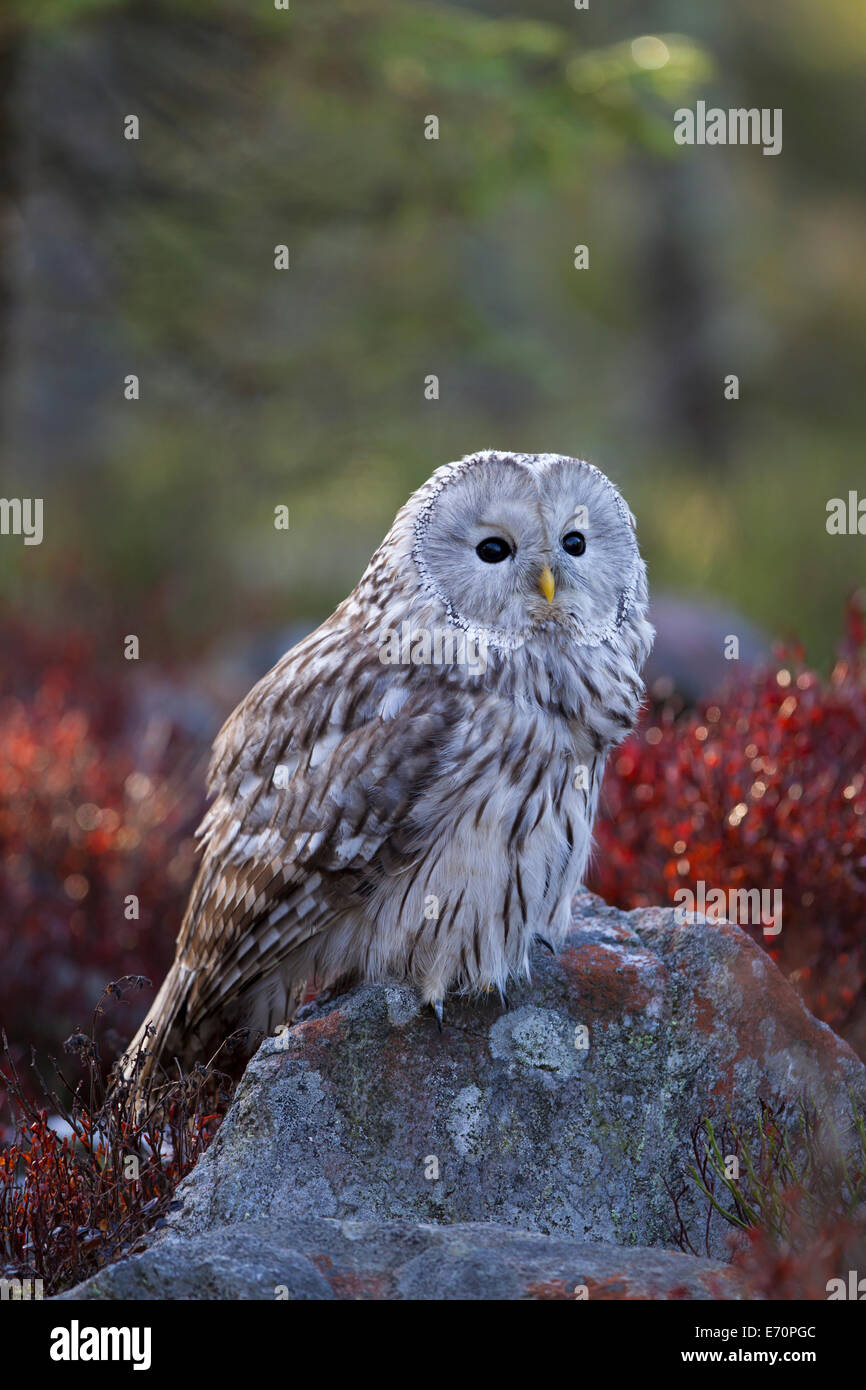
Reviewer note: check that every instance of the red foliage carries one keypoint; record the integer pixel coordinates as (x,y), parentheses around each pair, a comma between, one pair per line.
(70,1202)
(763,788)
(96,805)
(802,1267)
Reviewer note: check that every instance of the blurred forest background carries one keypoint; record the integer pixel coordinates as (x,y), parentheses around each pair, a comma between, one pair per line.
(305,388)
(411,257)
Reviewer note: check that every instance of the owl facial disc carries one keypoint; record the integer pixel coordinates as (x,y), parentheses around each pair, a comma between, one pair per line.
(516,545)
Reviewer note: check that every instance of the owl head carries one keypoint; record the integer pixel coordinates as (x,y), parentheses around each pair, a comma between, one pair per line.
(517,545)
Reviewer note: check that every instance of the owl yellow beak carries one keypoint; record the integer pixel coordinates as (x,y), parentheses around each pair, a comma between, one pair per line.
(546,584)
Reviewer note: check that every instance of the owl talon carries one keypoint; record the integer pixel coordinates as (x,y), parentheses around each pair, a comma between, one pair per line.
(547,944)
(436,1006)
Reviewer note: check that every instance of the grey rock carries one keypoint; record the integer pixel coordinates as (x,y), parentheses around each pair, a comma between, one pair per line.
(531,1149)
(688,656)
(325,1258)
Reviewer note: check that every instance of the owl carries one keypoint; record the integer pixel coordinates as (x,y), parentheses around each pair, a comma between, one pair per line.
(409,794)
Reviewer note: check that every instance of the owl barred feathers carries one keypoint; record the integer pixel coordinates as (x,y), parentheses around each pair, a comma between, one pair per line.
(420,816)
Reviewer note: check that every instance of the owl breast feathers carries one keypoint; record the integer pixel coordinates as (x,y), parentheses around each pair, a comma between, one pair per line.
(410,792)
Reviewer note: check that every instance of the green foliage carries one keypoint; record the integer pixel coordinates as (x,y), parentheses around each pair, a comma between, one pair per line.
(409,257)
(794,1207)
(802,1157)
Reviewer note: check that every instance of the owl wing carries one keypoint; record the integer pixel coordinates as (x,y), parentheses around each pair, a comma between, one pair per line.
(315,776)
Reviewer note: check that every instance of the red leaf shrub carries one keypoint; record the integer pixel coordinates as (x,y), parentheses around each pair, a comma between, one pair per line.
(805,1267)
(762,788)
(72,1202)
(97,806)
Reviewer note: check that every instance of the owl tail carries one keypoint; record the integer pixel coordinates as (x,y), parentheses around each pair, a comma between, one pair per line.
(161,1035)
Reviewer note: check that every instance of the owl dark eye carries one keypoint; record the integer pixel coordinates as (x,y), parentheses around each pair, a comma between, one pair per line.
(574,543)
(493,550)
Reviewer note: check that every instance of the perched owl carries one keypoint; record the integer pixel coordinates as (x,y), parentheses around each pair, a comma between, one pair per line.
(409,793)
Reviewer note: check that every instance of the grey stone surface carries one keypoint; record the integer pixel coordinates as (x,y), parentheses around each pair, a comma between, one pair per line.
(516,1149)
(325,1258)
